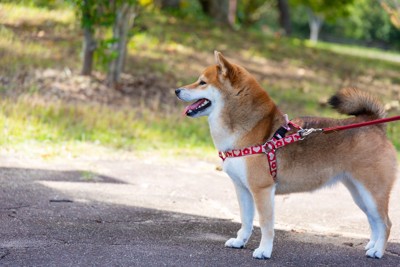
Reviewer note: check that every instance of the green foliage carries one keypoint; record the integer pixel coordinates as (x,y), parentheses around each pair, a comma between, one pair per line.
(368,22)
(97,18)
(187,9)
(104,55)
(251,11)
(98,13)
(330,10)
(49,4)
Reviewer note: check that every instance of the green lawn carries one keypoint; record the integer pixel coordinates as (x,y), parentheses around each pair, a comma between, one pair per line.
(60,124)
(298,75)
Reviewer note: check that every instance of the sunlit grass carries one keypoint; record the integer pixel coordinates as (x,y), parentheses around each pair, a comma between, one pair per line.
(17,15)
(17,53)
(28,120)
(358,51)
(32,37)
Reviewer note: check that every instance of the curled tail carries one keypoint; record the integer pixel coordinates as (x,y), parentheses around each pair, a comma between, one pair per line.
(352,101)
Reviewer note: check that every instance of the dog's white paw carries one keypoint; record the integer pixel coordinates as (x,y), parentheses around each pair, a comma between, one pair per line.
(370,245)
(262,253)
(235,243)
(374,253)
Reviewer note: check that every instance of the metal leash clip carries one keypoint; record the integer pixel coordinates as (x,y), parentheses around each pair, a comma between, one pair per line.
(306,132)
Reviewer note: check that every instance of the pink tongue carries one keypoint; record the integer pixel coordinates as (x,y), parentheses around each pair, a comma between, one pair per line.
(193,106)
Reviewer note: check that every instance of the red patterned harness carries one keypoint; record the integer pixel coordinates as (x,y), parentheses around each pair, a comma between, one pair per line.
(278,140)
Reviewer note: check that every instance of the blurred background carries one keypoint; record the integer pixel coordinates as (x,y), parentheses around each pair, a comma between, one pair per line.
(77,76)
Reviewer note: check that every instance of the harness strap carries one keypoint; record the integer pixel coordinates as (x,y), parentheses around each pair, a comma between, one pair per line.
(278,140)
(273,145)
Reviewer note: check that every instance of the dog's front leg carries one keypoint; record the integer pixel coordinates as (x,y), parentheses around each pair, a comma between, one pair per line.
(264,200)
(246,205)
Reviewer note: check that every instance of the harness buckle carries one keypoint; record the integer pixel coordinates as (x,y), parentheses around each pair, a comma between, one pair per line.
(268,146)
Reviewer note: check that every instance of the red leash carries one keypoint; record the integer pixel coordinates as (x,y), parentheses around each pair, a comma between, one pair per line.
(361,124)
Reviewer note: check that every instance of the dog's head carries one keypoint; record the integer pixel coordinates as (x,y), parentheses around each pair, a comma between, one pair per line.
(213,88)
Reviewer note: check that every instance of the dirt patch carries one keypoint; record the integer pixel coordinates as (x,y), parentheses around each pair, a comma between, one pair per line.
(150,90)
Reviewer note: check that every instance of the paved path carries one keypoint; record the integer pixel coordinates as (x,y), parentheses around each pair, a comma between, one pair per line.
(152,212)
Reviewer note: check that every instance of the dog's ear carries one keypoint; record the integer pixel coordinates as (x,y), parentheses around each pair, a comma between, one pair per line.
(224,67)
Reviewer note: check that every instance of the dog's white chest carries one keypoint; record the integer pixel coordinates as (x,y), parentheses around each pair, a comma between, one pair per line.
(236,169)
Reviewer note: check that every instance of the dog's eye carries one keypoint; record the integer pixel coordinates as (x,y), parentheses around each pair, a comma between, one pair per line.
(202,83)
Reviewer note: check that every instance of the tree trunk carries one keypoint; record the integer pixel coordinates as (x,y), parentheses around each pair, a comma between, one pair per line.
(232,12)
(223,11)
(89,42)
(89,46)
(205,6)
(284,16)
(315,23)
(123,23)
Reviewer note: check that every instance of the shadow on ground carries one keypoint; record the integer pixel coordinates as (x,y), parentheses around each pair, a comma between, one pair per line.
(43,227)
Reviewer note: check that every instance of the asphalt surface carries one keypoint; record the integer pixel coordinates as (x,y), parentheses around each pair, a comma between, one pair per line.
(150,211)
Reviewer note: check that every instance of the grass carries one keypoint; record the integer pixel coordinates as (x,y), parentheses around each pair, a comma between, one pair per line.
(33,37)
(59,123)
(297,74)
(15,14)
(368,53)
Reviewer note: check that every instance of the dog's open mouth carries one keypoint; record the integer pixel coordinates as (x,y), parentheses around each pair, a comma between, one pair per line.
(197,107)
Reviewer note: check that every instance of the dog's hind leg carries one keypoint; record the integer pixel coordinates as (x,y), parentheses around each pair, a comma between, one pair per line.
(246,205)
(360,203)
(376,210)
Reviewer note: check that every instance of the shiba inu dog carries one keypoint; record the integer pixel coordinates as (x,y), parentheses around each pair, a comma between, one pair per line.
(241,114)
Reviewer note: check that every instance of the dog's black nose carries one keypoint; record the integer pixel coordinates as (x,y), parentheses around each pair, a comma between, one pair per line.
(177,91)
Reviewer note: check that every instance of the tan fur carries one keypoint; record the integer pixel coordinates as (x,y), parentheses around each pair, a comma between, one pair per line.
(251,114)
(352,101)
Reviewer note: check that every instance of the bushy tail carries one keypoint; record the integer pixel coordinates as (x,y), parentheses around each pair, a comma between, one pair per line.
(352,101)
